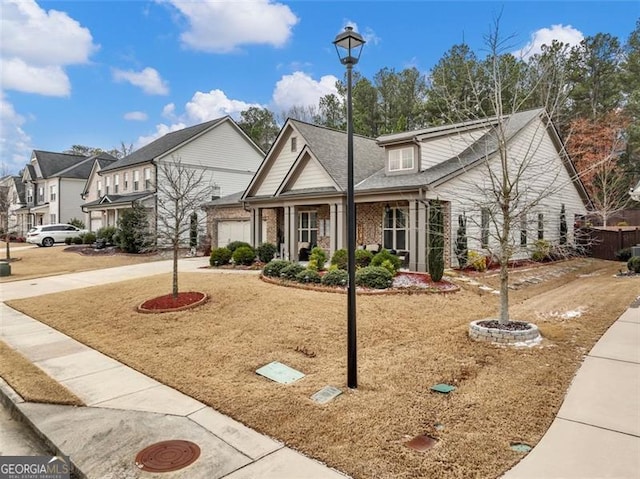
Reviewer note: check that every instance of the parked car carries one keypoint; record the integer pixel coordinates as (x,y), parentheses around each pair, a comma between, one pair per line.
(47,235)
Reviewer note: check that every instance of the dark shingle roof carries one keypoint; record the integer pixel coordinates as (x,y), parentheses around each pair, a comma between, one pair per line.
(229,200)
(162,145)
(118,199)
(51,164)
(330,148)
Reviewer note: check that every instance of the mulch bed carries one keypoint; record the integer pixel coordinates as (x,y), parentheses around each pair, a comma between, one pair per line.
(510,326)
(168,302)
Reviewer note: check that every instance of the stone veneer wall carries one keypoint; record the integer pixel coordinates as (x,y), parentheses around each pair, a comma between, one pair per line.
(369,228)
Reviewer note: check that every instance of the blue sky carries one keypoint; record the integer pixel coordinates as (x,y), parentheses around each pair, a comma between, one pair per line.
(99,73)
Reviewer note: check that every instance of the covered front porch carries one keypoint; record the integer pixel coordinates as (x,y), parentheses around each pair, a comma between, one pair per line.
(107,210)
(396,224)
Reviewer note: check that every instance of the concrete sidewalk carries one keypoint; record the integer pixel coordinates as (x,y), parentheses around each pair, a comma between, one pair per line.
(127,411)
(596,433)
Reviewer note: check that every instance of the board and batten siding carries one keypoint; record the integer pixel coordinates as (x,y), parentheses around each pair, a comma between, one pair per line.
(312,176)
(465,192)
(280,165)
(221,147)
(437,150)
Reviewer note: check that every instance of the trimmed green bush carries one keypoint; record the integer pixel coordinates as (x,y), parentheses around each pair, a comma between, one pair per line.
(308,276)
(234,245)
(335,277)
(319,257)
(106,232)
(67,240)
(363,258)
(77,240)
(634,264)
(623,254)
(219,256)
(375,277)
(291,272)
(541,250)
(340,258)
(244,255)
(385,255)
(88,238)
(266,252)
(273,268)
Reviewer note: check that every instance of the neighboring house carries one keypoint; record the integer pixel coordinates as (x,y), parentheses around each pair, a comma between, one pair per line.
(299,191)
(635,192)
(53,184)
(13,187)
(219,148)
(93,219)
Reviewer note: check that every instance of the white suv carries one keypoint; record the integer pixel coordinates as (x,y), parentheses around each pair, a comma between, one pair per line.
(47,235)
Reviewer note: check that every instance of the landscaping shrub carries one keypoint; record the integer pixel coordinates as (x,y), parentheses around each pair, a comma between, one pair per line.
(436,241)
(477,261)
(363,258)
(385,255)
(77,223)
(319,258)
(266,252)
(335,277)
(634,264)
(244,255)
(375,277)
(77,240)
(623,254)
(291,272)
(219,256)
(234,245)
(106,233)
(134,234)
(308,276)
(541,250)
(67,240)
(273,269)
(88,238)
(340,259)
(462,250)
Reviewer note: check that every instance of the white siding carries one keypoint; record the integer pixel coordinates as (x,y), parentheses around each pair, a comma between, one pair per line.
(544,176)
(69,192)
(440,149)
(221,147)
(312,176)
(280,165)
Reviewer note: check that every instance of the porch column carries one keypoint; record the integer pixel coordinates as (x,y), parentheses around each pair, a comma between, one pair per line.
(413,235)
(423,235)
(256,226)
(341,226)
(293,229)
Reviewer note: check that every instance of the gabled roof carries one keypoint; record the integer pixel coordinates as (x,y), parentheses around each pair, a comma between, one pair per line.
(118,199)
(164,144)
(18,186)
(99,162)
(52,164)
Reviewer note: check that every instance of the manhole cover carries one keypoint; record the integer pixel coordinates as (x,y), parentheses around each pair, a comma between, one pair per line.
(167,456)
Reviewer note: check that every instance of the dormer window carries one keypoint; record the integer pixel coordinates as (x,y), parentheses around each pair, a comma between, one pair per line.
(401,159)
(294,144)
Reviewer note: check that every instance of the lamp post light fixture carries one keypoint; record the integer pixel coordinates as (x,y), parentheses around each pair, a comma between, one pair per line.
(349,47)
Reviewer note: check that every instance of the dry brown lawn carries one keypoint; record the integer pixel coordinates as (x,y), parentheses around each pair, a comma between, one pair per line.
(60,259)
(406,345)
(30,382)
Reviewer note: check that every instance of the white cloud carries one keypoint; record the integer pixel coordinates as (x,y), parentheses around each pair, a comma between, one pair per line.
(563,33)
(202,107)
(222,26)
(148,79)
(14,142)
(136,116)
(36,45)
(299,89)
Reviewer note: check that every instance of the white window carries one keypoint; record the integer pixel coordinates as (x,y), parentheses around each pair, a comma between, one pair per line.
(52,218)
(136,180)
(99,188)
(395,229)
(523,230)
(52,194)
(107,185)
(308,227)
(294,144)
(401,159)
(41,194)
(116,183)
(147,178)
(126,181)
(29,196)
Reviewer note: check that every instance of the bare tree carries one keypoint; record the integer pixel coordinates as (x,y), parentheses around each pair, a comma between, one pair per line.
(516,176)
(181,190)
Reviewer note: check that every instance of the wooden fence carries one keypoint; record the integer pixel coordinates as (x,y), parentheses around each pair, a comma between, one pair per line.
(605,242)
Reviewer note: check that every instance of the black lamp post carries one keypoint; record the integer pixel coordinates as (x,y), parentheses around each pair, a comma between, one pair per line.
(349,47)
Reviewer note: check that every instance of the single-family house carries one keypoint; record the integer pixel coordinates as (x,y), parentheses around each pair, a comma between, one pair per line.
(297,199)
(53,185)
(12,190)
(218,148)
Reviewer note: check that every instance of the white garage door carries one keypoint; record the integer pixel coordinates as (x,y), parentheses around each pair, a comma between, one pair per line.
(229,231)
